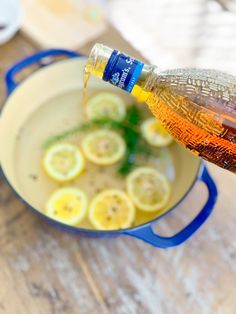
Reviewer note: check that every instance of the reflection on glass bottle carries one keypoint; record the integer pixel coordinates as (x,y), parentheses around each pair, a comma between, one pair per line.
(197,106)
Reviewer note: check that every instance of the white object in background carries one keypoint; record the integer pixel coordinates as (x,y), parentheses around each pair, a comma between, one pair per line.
(179,33)
(10,19)
(63,23)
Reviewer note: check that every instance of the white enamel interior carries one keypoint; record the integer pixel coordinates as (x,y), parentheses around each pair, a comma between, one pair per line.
(46,85)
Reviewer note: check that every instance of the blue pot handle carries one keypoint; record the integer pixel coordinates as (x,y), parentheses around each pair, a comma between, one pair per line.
(11,84)
(147,234)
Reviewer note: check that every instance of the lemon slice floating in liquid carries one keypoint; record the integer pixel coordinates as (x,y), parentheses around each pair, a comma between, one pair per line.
(111,210)
(154,133)
(148,189)
(103,147)
(67,205)
(63,162)
(106,105)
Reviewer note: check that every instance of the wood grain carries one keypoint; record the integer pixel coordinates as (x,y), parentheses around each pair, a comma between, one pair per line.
(44,271)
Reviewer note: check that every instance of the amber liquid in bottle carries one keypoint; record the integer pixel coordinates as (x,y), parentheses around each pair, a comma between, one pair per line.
(198,107)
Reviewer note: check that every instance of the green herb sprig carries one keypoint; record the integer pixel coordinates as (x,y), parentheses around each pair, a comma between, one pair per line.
(129,128)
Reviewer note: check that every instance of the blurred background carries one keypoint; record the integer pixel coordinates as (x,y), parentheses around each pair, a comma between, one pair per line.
(46,271)
(168,33)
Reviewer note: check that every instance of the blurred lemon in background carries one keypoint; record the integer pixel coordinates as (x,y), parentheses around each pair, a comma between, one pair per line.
(106,106)
(103,147)
(63,162)
(148,189)
(111,210)
(67,205)
(154,133)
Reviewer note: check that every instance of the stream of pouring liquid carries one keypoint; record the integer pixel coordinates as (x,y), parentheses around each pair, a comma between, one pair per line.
(86,78)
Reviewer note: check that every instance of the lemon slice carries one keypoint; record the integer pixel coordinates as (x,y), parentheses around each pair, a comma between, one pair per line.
(63,162)
(67,205)
(111,210)
(148,189)
(106,105)
(103,147)
(154,133)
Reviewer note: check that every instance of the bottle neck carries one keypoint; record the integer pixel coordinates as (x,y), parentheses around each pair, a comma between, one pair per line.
(121,70)
(143,86)
(98,59)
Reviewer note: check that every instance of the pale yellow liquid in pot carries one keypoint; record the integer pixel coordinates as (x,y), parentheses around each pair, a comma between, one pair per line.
(63,113)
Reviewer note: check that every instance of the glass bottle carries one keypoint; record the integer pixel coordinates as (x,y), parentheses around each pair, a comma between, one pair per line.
(197,106)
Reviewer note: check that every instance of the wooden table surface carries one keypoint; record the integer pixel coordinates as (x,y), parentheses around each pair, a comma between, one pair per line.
(43,270)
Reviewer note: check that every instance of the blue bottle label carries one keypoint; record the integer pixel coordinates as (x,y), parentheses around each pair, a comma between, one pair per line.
(122,71)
